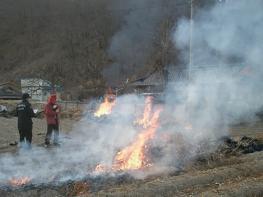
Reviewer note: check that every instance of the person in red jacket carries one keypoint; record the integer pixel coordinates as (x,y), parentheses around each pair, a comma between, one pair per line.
(52,110)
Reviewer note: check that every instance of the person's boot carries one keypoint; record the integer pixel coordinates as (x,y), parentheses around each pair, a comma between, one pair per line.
(47,143)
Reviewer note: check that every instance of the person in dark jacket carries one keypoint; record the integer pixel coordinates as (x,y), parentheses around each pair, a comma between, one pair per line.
(25,114)
(52,110)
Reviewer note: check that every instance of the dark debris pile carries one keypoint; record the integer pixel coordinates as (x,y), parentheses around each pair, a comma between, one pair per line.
(244,145)
(229,147)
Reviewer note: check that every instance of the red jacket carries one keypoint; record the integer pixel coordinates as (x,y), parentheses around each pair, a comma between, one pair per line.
(51,115)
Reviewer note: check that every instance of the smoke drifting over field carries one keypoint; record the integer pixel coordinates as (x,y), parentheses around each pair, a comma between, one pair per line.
(226,43)
(133,43)
(226,73)
(195,111)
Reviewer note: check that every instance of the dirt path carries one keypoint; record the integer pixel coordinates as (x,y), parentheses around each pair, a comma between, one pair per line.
(9,133)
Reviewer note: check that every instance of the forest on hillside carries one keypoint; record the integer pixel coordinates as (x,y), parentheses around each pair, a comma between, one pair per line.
(87,45)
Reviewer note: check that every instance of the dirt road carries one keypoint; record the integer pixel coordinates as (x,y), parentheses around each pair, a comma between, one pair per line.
(9,133)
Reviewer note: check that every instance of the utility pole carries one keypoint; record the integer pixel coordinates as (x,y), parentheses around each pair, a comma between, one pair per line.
(191,40)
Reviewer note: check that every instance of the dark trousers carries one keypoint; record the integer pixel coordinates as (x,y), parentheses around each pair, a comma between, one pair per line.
(50,129)
(25,134)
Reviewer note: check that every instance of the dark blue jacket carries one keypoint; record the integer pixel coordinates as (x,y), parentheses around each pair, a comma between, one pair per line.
(25,114)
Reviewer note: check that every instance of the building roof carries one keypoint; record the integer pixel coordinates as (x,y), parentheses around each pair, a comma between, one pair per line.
(9,91)
(37,83)
(153,79)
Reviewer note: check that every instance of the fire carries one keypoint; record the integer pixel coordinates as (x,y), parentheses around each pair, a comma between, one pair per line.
(106,107)
(145,120)
(133,157)
(17,182)
(101,168)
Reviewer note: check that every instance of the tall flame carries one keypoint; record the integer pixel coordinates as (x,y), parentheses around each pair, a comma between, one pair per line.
(106,107)
(145,120)
(133,157)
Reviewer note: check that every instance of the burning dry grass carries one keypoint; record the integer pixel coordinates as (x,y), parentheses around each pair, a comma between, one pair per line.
(214,181)
(133,157)
(137,156)
(19,182)
(106,106)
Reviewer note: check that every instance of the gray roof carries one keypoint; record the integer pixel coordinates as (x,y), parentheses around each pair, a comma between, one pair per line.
(8,92)
(154,79)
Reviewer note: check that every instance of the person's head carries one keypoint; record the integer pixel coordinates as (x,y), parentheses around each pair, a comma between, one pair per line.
(52,99)
(25,97)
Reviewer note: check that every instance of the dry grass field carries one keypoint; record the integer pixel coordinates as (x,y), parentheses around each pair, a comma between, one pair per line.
(237,175)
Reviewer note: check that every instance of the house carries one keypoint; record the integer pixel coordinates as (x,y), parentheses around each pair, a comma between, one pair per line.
(10,91)
(38,89)
(152,83)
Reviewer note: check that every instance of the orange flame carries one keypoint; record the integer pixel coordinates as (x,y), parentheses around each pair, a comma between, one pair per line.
(133,157)
(17,182)
(101,168)
(106,107)
(145,120)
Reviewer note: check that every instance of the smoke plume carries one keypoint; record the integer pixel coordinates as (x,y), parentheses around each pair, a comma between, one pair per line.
(133,43)
(225,76)
(223,88)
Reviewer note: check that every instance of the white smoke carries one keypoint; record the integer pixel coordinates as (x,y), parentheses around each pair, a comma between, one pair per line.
(132,44)
(225,78)
(225,87)
(93,141)
(226,43)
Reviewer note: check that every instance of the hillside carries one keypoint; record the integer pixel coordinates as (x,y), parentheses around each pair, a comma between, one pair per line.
(82,44)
